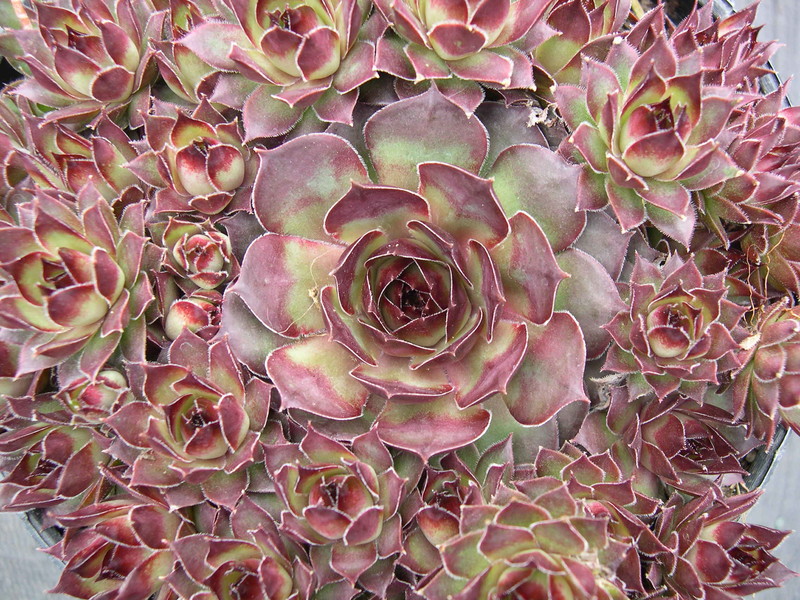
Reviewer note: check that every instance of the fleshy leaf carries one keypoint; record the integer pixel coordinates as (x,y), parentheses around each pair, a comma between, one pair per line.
(301,179)
(551,372)
(280,279)
(541,183)
(313,374)
(426,128)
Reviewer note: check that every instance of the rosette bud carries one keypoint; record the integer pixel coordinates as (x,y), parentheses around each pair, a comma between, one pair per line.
(198,313)
(60,159)
(92,401)
(763,139)
(87,58)
(679,332)
(197,251)
(198,162)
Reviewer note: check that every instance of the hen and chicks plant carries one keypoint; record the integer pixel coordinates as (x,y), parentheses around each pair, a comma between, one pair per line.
(412,299)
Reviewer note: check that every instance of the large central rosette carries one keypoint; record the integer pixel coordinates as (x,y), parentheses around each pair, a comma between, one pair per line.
(431,299)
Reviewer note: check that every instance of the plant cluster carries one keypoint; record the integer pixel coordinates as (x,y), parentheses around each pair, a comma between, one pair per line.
(403,299)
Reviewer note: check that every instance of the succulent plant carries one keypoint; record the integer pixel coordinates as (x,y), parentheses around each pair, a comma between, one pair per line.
(646,127)
(198,162)
(768,384)
(527,547)
(403,299)
(679,332)
(87,58)
(425,297)
(290,56)
(572,30)
(675,443)
(51,465)
(118,548)
(199,418)
(471,41)
(256,562)
(344,502)
(712,555)
(75,282)
(196,251)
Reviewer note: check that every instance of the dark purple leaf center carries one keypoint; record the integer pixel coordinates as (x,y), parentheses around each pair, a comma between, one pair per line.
(662,115)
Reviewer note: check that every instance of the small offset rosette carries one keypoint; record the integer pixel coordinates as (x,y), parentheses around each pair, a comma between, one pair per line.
(118,548)
(197,162)
(345,502)
(679,333)
(196,251)
(200,421)
(647,120)
(768,385)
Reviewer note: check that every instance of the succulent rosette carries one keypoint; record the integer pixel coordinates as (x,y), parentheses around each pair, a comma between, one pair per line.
(85,58)
(432,299)
(198,162)
(50,466)
(772,252)
(91,401)
(437,502)
(344,502)
(712,554)
(646,129)
(76,287)
(528,546)
(288,56)
(763,139)
(256,562)
(196,251)
(678,334)
(187,76)
(768,385)
(677,442)
(58,158)
(199,418)
(118,548)
(471,41)
(572,30)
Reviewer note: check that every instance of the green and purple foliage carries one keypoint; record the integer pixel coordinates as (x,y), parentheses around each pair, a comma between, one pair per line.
(404,300)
